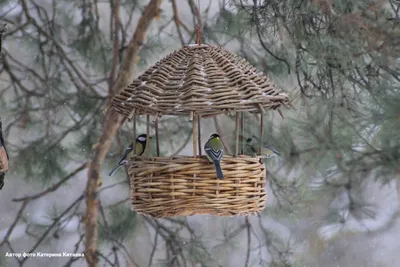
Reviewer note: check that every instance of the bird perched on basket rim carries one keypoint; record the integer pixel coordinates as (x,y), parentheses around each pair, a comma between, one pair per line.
(140,146)
(215,151)
(268,150)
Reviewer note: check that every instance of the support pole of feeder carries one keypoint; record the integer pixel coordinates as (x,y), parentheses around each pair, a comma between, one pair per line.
(237,130)
(241,132)
(157,140)
(199,132)
(148,135)
(134,132)
(193,119)
(261,128)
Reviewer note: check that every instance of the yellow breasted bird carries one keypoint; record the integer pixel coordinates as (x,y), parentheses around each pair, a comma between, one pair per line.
(214,151)
(140,144)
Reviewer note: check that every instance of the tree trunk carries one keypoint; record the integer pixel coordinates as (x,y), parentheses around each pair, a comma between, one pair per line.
(111,127)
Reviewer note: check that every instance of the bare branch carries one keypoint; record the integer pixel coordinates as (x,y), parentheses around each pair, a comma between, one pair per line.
(115,36)
(177,21)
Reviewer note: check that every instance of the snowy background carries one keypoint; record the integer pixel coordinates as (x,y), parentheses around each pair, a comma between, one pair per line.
(309,237)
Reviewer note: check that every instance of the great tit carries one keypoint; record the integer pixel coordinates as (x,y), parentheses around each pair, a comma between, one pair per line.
(268,150)
(140,143)
(214,151)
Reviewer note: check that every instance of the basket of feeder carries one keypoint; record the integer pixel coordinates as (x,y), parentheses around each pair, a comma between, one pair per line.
(196,82)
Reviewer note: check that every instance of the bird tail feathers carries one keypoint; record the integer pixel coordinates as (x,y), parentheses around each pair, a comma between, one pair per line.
(218,169)
(115,169)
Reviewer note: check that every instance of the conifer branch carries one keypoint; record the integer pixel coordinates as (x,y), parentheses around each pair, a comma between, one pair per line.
(248,227)
(53,187)
(2,31)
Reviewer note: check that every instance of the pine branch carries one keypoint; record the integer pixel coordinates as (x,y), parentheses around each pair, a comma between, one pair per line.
(111,127)
(56,222)
(248,226)
(153,249)
(2,30)
(53,187)
(14,224)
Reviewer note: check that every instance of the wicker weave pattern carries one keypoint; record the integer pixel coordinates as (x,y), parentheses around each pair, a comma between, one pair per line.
(207,80)
(182,186)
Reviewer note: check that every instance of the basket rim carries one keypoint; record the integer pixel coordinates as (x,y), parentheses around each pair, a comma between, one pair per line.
(195,157)
(202,158)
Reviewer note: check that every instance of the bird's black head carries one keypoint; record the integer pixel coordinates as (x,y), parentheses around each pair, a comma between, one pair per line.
(250,139)
(214,135)
(141,138)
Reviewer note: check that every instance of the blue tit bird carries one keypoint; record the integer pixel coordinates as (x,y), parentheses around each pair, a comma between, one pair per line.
(214,151)
(140,144)
(268,150)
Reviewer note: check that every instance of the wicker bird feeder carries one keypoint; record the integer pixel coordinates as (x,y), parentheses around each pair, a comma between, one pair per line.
(198,81)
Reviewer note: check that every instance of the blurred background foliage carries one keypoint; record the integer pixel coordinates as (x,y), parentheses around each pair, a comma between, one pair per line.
(337,59)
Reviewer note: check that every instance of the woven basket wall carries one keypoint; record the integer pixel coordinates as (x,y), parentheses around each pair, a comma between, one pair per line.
(165,187)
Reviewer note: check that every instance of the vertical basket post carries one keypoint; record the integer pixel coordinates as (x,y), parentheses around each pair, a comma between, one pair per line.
(193,119)
(133,188)
(148,135)
(237,130)
(241,133)
(199,132)
(261,129)
(133,114)
(157,139)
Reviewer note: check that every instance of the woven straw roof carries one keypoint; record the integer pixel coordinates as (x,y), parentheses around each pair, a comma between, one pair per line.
(204,79)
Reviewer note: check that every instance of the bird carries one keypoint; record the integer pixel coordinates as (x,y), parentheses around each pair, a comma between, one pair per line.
(268,150)
(214,151)
(140,143)
(3,158)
